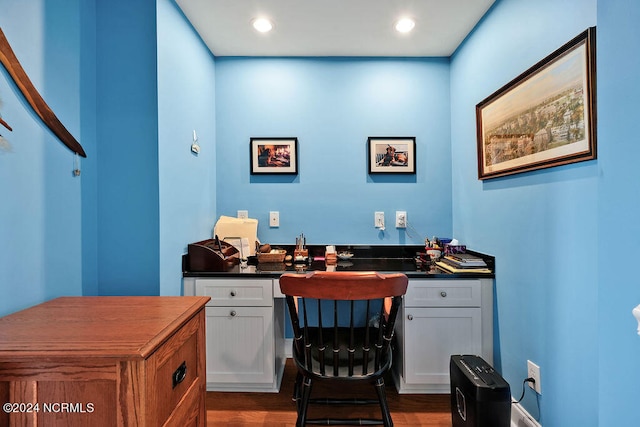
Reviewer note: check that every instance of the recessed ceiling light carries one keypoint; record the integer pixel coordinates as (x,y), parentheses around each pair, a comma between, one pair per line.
(404,25)
(262,25)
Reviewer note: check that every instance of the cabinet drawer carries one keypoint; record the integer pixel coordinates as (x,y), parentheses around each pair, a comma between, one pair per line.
(189,412)
(173,370)
(443,293)
(238,292)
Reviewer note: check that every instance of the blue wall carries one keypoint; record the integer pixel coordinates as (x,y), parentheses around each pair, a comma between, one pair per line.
(118,75)
(155,81)
(127,154)
(88,107)
(40,215)
(541,226)
(333,106)
(186,102)
(618,212)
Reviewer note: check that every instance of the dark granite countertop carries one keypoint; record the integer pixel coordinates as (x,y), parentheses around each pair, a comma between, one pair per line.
(387,259)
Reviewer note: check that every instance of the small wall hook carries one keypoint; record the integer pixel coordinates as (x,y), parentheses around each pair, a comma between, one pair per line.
(76,165)
(195,148)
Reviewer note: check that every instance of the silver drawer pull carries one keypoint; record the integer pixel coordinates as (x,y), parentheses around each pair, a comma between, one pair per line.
(443,294)
(233,313)
(410,317)
(233,293)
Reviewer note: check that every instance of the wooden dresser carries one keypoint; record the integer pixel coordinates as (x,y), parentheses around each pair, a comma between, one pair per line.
(104,361)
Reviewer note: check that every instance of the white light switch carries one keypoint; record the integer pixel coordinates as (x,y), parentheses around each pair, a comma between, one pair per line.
(401,219)
(274,219)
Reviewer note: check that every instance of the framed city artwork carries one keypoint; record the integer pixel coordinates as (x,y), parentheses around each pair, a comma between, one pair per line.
(544,117)
(390,154)
(274,156)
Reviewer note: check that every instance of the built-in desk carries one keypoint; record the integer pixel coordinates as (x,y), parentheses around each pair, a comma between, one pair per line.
(442,314)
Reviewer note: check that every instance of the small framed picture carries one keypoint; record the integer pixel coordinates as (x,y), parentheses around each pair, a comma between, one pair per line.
(274,156)
(390,154)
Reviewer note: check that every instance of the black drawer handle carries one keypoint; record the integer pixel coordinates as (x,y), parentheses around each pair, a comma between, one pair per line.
(180,374)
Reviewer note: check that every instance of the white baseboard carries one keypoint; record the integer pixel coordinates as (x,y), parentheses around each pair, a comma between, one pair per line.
(521,418)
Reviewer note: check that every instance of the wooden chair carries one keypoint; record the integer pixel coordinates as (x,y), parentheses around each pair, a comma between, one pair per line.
(343,325)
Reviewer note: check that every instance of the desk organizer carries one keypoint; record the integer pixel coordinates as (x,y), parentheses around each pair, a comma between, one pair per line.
(212,255)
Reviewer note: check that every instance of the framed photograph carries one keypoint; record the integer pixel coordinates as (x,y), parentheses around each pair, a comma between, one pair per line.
(274,156)
(544,117)
(389,154)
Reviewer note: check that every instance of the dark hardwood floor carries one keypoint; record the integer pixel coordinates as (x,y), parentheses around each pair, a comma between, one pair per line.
(278,410)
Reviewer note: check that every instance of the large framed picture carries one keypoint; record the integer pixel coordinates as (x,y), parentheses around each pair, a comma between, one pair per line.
(388,154)
(274,156)
(544,117)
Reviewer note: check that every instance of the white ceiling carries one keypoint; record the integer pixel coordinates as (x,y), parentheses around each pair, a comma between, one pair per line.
(334,27)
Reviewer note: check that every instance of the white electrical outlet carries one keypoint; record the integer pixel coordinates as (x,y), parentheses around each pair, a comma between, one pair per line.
(401,219)
(274,219)
(243,214)
(533,371)
(379,220)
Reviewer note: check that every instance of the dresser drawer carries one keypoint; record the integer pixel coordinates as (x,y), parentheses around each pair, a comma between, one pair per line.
(174,372)
(236,292)
(443,293)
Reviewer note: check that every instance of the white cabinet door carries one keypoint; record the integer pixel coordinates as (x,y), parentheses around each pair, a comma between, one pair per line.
(432,335)
(240,345)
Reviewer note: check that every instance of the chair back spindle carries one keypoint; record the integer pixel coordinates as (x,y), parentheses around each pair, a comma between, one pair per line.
(343,325)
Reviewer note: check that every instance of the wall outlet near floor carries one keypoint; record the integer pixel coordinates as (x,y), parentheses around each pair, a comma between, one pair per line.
(378,219)
(243,214)
(533,371)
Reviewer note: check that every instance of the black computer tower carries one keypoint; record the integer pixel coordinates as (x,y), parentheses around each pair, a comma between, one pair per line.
(480,397)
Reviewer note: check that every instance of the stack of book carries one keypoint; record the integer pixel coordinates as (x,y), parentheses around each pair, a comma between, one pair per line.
(463,263)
